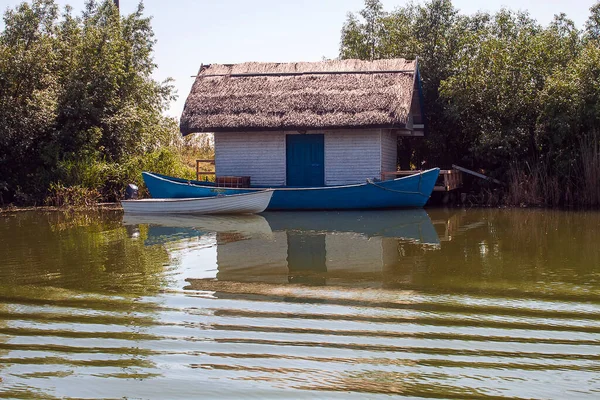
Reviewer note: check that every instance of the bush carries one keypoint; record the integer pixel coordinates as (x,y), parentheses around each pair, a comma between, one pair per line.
(84,182)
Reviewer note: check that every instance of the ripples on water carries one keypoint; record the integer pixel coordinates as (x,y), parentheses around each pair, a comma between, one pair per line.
(477,304)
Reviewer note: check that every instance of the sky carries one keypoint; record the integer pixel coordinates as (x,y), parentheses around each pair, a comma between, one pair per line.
(191,32)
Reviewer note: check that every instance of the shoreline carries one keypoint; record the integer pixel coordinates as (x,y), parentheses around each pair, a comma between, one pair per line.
(118,207)
(97,207)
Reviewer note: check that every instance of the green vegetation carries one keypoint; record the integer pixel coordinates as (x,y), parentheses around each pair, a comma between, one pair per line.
(502,92)
(80,114)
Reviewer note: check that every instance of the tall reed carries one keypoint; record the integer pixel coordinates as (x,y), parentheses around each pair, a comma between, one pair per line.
(536,183)
(532,184)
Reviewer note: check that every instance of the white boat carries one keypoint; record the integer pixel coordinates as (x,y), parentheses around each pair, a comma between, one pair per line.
(247,203)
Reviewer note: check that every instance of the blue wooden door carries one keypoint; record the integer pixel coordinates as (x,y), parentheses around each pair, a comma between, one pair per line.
(305,160)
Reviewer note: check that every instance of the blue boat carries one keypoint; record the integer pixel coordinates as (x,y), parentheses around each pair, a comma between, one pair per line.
(406,192)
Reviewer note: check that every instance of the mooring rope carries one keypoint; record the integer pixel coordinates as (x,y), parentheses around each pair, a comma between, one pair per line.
(399,191)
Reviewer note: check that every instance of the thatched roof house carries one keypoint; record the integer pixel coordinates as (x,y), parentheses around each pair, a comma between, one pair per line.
(356,107)
(301,96)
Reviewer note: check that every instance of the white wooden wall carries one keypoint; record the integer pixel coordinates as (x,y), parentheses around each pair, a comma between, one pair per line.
(351,156)
(260,155)
(389,150)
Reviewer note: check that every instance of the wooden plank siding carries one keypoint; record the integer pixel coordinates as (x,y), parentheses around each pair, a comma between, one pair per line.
(352,156)
(259,155)
(389,150)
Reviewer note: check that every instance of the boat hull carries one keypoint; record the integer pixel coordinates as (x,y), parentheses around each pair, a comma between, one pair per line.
(406,192)
(248,203)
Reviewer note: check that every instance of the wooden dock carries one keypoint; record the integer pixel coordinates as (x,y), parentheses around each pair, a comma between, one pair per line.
(449,179)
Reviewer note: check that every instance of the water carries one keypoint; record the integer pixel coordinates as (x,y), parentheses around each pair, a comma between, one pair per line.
(436,304)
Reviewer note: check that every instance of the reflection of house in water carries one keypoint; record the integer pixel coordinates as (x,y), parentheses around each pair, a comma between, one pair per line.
(326,247)
(362,248)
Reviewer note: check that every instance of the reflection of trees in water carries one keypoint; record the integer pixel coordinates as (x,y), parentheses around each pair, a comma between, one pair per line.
(504,249)
(75,273)
(79,251)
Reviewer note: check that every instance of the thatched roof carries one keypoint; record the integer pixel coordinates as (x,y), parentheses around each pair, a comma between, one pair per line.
(300,96)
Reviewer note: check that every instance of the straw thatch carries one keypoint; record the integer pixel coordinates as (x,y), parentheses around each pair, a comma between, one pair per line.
(239,98)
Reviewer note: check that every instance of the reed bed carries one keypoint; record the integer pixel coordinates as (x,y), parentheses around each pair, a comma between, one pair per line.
(537,183)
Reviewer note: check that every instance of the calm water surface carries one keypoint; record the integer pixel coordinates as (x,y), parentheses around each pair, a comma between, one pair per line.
(436,304)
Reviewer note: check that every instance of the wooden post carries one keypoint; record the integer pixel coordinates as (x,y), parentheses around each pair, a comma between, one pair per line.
(477,174)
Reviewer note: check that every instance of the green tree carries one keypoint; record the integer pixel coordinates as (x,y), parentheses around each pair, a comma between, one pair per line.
(76,91)
(27,90)
(434,33)
(592,26)
(499,89)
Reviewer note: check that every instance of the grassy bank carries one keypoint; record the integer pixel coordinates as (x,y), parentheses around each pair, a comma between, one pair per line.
(85,184)
(11,209)
(88,182)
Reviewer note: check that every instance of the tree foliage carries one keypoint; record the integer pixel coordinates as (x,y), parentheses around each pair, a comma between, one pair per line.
(75,90)
(499,88)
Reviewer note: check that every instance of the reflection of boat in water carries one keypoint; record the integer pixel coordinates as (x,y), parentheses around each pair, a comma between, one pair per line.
(248,225)
(412,225)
